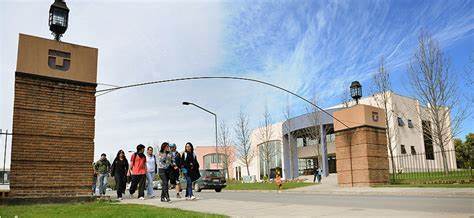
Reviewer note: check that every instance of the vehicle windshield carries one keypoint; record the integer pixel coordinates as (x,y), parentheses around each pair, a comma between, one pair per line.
(213,173)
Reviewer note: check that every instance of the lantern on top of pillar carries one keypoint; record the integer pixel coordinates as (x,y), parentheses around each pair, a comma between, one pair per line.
(356,91)
(58,18)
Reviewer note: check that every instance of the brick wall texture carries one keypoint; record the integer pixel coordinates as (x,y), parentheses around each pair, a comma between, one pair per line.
(362,158)
(53,137)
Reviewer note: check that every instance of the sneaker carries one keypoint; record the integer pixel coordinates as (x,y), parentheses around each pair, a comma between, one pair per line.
(141,198)
(178,195)
(163,199)
(120,199)
(168,200)
(192,198)
(188,198)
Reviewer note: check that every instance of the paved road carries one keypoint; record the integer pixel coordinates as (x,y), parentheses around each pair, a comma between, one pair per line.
(248,204)
(464,205)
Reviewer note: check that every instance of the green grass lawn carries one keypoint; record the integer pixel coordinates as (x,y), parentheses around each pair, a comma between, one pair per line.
(95,209)
(459,176)
(265,186)
(471,185)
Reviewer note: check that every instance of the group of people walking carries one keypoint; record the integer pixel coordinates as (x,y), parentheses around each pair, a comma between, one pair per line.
(171,166)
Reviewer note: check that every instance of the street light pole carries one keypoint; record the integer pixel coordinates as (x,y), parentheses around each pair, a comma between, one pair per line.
(215,125)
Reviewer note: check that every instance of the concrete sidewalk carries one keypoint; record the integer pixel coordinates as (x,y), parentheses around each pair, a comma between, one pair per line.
(329,186)
(252,206)
(386,191)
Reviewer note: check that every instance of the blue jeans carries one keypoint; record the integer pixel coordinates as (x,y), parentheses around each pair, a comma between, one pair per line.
(149,187)
(102,180)
(189,185)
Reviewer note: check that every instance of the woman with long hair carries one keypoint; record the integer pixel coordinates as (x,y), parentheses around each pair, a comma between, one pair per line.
(190,169)
(164,164)
(119,172)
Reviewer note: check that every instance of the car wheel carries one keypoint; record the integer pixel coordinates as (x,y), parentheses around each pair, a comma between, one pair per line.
(197,188)
(218,189)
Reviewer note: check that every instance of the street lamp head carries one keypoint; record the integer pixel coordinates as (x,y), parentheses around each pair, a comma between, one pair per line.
(58,18)
(186,103)
(356,90)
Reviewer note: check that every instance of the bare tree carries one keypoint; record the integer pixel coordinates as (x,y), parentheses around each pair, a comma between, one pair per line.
(345,98)
(242,133)
(383,90)
(436,89)
(267,152)
(314,131)
(226,149)
(469,80)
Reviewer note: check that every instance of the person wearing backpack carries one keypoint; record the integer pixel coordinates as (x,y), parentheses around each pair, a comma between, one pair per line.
(190,168)
(164,165)
(102,168)
(119,172)
(151,171)
(138,172)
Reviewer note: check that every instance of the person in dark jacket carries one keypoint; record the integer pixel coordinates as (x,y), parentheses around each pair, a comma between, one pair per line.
(190,168)
(174,172)
(119,172)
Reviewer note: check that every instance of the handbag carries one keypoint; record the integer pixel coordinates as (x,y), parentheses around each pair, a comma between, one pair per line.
(129,177)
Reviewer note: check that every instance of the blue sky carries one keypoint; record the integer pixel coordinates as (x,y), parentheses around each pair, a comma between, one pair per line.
(315,48)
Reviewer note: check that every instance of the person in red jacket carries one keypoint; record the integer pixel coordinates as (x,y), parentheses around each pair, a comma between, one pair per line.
(138,172)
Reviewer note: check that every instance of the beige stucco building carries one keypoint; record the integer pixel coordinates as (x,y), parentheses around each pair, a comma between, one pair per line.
(302,143)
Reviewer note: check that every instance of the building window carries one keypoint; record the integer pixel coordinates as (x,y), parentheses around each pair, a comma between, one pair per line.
(410,124)
(212,159)
(306,166)
(403,150)
(412,149)
(427,139)
(400,121)
(301,142)
(238,173)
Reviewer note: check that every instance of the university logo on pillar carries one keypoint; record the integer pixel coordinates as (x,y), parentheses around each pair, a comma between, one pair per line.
(55,57)
(375,116)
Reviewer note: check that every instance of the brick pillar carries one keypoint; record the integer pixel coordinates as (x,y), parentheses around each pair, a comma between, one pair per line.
(362,158)
(53,141)
(53,119)
(361,146)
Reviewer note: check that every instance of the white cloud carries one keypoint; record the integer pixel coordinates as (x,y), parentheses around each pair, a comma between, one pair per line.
(306,47)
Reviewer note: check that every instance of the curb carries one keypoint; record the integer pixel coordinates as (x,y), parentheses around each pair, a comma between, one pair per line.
(421,193)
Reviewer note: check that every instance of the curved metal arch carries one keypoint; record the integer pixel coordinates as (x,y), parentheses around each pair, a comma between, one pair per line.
(105,91)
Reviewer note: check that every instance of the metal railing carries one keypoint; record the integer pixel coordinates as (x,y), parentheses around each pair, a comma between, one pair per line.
(432,167)
(4,171)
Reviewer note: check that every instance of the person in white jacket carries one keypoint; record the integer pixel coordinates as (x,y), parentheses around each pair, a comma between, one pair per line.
(151,171)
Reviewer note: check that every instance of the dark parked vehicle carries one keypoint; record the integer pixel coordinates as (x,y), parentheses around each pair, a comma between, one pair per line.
(210,179)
